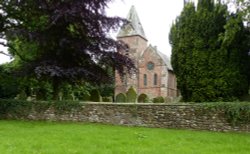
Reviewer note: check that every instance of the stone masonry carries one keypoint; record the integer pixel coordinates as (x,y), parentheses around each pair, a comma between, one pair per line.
(148,115)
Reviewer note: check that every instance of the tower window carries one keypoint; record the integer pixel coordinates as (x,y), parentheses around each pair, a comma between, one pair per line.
(145,79)
(155,79)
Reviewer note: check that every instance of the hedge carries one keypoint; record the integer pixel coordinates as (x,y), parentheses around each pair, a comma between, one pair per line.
(121,98)
(143,98)
(95,96)
(131,95)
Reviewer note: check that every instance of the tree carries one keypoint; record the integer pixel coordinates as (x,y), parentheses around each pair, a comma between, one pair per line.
(64,40)
(210,53)
(9,85)
(243,7)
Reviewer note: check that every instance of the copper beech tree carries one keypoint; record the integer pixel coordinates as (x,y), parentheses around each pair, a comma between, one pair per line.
(63,40)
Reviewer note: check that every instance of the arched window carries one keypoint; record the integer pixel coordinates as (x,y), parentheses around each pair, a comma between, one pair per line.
(155,79)
(145,79)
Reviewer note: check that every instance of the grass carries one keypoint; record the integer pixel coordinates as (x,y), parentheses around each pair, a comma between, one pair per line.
(22,137)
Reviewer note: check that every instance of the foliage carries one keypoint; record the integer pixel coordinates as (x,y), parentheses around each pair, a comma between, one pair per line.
(236,112)
(41,106)
(107,89)
(143,98)
(85,97)
(9,84)
(131,95)
(210,53)
(95,96)
(41,90)
(158,99)
(62,107)
(16,109)
(63,41)
(243,7)
(107,99)
(121,98)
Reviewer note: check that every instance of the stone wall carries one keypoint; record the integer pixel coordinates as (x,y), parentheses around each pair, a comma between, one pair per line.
(148,115)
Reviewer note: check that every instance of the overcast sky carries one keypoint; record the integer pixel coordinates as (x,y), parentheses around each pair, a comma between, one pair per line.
(156,17)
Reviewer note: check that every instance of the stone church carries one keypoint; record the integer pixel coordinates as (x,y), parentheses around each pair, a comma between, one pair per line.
(155,75)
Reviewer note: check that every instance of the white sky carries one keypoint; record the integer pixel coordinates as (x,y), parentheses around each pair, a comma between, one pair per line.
(156,17)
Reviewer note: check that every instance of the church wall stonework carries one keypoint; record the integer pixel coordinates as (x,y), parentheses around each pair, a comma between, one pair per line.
(136,44)
(172,85)
(150,89)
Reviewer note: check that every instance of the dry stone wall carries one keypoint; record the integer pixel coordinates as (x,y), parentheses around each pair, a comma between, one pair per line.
(149,115)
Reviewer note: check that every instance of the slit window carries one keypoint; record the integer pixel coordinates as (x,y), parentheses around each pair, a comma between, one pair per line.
(155,79)
(145,79)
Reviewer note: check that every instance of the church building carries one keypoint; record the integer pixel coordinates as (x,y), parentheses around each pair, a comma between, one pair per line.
(155,76)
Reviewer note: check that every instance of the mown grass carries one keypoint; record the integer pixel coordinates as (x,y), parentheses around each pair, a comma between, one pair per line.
(22,137)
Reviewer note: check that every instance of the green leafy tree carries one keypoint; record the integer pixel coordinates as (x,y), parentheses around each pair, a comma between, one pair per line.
(9,85)
(209,53)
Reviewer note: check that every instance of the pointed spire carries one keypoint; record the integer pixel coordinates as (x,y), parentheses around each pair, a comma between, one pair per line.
(134,27)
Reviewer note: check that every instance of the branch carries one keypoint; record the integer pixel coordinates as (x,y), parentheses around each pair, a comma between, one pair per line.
(14,50)
(1,52)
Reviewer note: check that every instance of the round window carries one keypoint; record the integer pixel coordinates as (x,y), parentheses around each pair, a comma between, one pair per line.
(150,66)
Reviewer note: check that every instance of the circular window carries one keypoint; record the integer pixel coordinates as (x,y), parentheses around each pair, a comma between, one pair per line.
(150,66)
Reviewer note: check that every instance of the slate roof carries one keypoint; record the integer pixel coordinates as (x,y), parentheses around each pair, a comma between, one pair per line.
(165,59)
(134,27)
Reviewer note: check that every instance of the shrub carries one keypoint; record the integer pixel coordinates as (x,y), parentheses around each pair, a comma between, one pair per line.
(143,98)
(61,107)
(107,99)
(22,95)
(41,106)
(236,112)
(121,98)
(14,108)
(95,96)
(85,97)
(158,99)
(131,95)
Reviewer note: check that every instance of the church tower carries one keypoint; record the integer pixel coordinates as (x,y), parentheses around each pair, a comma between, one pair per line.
(133,35)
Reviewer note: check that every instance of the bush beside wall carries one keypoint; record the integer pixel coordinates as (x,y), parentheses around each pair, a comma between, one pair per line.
(158,99)
(143,98)
(131,95)
(120,98)
(95,96)
(107,99)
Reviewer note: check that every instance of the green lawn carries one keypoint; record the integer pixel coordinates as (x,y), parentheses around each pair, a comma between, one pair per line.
(20,137)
